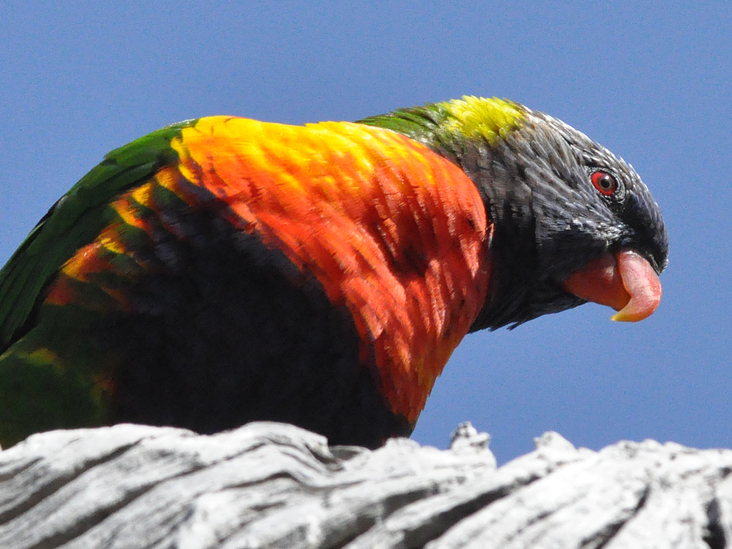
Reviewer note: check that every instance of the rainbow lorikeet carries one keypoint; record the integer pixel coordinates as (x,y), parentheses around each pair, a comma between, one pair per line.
(223,270)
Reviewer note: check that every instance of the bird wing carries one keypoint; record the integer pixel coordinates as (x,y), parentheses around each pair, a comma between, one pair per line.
(72,222)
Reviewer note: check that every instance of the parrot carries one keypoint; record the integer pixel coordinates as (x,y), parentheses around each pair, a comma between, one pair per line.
(224,270)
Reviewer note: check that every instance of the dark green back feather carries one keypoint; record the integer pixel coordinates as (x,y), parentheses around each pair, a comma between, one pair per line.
(419,123)
(74,221)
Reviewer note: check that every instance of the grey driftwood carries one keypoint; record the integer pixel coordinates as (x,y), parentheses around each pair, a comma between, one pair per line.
(273,485)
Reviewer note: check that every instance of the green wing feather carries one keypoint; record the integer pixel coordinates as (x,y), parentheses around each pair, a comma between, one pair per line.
(419,123)
(74,221)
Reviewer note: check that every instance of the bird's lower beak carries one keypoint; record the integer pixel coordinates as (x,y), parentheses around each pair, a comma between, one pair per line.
(624,281)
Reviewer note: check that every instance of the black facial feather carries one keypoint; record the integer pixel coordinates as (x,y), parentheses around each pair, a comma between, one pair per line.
(550,220)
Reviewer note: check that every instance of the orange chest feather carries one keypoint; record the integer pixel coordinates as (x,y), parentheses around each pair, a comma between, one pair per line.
(391,230)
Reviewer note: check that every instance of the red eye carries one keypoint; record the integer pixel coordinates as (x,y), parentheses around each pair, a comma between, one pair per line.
(604,182)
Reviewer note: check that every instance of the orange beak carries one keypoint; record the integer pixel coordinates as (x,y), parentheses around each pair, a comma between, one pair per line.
(626,282)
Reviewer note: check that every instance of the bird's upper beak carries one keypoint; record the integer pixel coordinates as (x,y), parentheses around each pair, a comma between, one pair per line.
(625,281)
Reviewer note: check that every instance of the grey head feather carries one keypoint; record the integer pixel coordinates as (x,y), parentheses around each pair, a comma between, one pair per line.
(550,220)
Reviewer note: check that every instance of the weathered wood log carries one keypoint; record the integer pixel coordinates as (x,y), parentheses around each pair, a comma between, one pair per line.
(273,485)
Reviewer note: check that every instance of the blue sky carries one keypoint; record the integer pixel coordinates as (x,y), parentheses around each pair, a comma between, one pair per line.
(649,80)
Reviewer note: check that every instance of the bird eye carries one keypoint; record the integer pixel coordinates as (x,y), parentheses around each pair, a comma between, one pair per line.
(604,182)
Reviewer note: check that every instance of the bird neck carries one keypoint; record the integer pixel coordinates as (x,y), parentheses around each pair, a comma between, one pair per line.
(472,132)
(447,126)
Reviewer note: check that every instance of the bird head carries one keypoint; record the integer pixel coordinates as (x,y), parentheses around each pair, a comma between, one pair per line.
(572,222)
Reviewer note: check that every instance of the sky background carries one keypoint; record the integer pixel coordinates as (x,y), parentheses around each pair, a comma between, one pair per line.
(649,80)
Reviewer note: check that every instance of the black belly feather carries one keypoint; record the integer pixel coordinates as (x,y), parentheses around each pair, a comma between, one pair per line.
(224,330)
